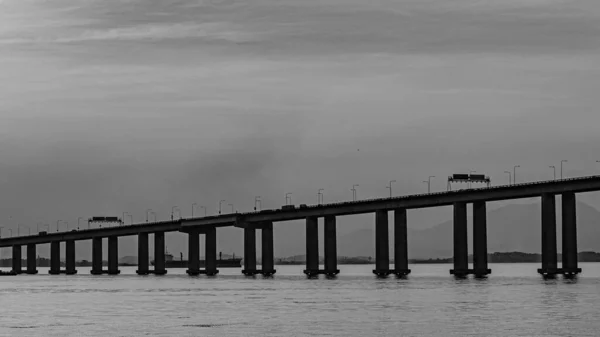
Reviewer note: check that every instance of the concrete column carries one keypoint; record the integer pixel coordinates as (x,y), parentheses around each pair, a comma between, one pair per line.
(382,245)
(159,253)
(268,264)
(70,262)
(210,251)
(461,250)
(16,259)
(143,260)
(330,246)
(480,259)
(312,246)
(249,251)
(193,253)
(96,256)
(31,259)
(549,258)
(400,242)
(54,258)
(569,236)
(113,255)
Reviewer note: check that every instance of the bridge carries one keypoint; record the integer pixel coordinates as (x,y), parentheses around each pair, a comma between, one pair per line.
(264,220)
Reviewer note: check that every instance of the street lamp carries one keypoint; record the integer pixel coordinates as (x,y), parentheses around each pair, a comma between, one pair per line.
(220,202)
(78,220)
(57,224)
(173,211)
(509,177)
(429,183)
(354,193)
(288,195)
(231,208)
(554,168)
(10,230)
(154,213)
(320,196)
(561,168)
(194,204)
(515,173)
(147,211)
(257,201)
(204,210)
(390,186)
(1,231)
(47,227)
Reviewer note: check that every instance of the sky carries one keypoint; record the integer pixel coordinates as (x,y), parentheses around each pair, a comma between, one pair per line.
(111,106)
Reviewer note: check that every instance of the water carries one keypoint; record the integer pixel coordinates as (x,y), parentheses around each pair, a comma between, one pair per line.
(514,301)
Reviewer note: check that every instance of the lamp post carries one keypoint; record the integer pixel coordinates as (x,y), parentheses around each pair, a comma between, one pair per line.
(154,213)
(320,196)
(10,230)
(509,177)
(354,192)
(204,210)
(515,173)
(78,221)
(220,202)
(130,218)
(67,223)
(47,227)
(258,202)
(173,211)
(390,186)
(231,205)
(1,231)
(194,204)
(288,196)
(38,228)
(561,167)
(429,184)
(554,168)
(57,224)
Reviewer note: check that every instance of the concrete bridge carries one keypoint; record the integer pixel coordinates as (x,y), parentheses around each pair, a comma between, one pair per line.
(263,221)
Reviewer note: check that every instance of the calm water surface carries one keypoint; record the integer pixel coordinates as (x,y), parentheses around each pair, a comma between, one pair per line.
(514,301)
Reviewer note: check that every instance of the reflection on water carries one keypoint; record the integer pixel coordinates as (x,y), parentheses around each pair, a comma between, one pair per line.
(513,301)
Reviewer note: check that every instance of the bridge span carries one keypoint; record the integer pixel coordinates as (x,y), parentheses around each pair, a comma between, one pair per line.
(263,220)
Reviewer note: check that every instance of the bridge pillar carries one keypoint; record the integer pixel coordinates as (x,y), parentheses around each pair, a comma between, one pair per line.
(16,260)
(96,256)
(31,259)
(312,246)
(549,257)
(268,263)
(461,250)
(569,235)
(382,246)
(113,255)
(330,246)
(54,258)
(159,253)
(143,260)
(400,243)
(249,251)
(210,251)
(193,253)
(480,258)
(70,261)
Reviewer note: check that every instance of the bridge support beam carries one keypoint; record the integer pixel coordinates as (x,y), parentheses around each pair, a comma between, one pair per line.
(569,235)
(96,256)
(268,258)
(210,252)
(54,258)
(549,257)
(70,261)
(312,247)
(461,250)
(400,243)
(480,259)
(16,260)
(159,253)
(113,255)
(331,246)
(31,259)
(193,253)
(382,245)
(249,251)
(143,260)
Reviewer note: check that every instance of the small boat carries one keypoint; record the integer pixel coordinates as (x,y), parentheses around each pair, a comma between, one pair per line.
(232,262)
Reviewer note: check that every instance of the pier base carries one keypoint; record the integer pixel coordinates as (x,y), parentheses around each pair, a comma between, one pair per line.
(202,272)
(64,271)
(264,272)
(7,273)
(316,272)
(387,272)
(465,272)
(105,271)
(551,272)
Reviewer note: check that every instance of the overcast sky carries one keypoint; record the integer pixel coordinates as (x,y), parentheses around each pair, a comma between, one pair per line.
(123,105)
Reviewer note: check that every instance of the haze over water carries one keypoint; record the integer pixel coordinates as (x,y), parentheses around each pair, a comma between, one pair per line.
(514,301)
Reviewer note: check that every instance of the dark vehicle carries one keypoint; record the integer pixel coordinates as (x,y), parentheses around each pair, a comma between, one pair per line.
(460,176)
(303,206)
(477,177)
(287,207)
(43,233)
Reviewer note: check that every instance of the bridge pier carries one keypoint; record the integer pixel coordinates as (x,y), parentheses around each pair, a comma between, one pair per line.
(193,253)
(143,260)
(461,250)
(54,258)
(480,259)
(113,256)
(96,256)
(330,246)
(268,258)
(16,260)
(569,236)
(382,246)
(210,252)
(249,251)
(549,256)
(400,243)
(31,259)
(159,253)
(70,261)
(312,247)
